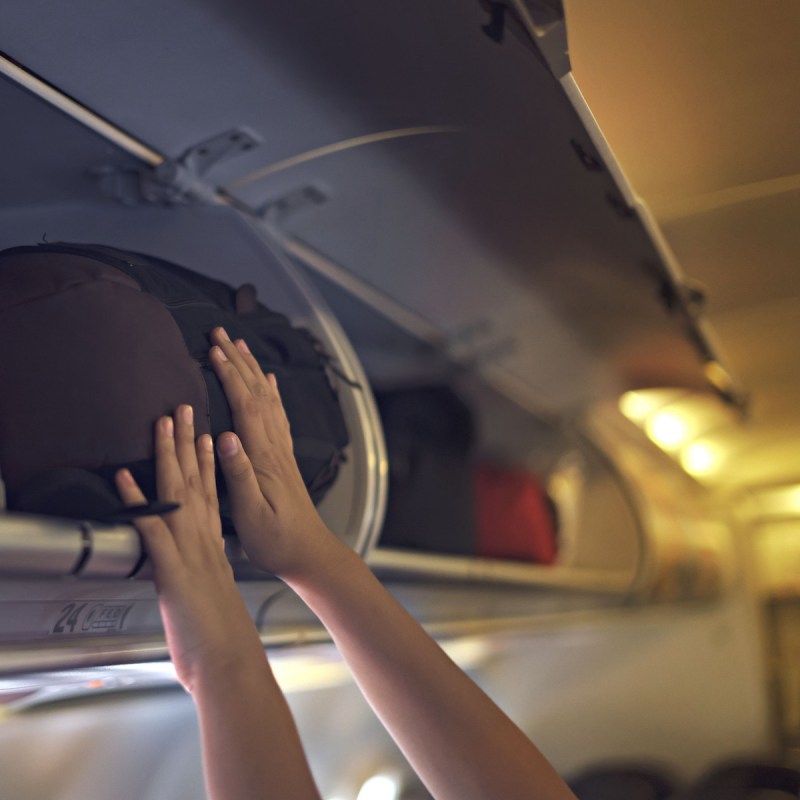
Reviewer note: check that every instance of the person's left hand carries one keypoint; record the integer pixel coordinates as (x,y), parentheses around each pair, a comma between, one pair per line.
(208,628)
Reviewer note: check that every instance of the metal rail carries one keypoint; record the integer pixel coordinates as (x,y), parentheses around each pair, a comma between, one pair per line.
(36,546)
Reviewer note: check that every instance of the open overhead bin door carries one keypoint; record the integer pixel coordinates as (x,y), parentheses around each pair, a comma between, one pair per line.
(427,150)
(65,595)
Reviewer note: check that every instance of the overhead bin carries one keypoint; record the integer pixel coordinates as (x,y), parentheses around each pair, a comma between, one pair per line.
(601,536)
(432,156)
(441,192)
(65,591)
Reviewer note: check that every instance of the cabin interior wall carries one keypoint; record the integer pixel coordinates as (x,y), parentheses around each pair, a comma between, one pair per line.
(774,562)
(683,686)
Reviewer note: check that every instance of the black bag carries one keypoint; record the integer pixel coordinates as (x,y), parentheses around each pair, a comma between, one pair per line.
(99,342)
(429,439)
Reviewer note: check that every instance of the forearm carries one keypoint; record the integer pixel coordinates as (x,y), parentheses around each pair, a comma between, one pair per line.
(459,742)
(251,748)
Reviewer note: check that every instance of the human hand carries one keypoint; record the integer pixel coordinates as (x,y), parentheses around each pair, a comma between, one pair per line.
(272,512)
(208,628)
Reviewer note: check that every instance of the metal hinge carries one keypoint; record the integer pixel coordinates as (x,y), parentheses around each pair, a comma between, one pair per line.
(278,209)
(175,182)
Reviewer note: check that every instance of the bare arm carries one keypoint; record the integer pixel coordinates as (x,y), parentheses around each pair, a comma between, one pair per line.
(460,743)
(250,744)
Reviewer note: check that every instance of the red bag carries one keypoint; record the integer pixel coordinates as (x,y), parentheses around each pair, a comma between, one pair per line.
(516,519)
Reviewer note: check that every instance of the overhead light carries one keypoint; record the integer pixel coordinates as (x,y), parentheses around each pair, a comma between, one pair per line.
(639,405)
(783,501)
(684,423)
(635,406)
(667,429)
(700,459)
(379,787)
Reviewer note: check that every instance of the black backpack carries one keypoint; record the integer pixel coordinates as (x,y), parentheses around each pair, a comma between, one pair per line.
(99,342)
(430,439)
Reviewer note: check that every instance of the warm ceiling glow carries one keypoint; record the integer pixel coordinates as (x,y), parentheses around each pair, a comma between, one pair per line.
(780,501)
(680,422)
(700,459)
(639,405)
(635,406)
(379,787)
(667,429)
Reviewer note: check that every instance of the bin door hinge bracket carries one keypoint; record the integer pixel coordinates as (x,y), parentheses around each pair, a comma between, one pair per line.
(178,181)
(277,210)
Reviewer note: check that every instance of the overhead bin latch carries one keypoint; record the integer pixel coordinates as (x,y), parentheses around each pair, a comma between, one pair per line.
(178,181)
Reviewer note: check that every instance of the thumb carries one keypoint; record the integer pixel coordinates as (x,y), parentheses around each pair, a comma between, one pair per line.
(240,477)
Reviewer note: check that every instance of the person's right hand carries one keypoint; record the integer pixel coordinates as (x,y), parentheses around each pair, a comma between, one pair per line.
(272,512)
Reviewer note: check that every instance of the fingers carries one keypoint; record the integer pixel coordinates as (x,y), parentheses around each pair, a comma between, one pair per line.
(249,391)
(240,477)
(205,461)
(244,392)
(279,422)
(185,475)
(239,357)
(169,479)
(158,541)
(185,448)
(196,462)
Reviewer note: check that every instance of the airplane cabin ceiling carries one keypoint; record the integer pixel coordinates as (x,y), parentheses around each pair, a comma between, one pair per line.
(483,179)
(699,102)
(696,100)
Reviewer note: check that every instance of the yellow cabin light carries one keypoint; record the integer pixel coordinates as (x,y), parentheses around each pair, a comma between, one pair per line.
(635,406)
(638,405)
(379,787)
(700,459)
(793,499)
(667,430)
(780,501)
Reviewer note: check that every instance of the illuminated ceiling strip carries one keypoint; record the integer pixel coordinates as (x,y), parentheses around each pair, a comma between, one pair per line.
(337,147)
(729,196)
(78,112)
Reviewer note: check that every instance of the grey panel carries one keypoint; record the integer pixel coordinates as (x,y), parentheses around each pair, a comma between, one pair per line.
(513,213)
(303,73)
(45,156)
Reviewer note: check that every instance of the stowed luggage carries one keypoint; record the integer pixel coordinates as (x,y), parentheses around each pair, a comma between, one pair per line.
(516,519)
(97,343)
(444,499)
(429,435)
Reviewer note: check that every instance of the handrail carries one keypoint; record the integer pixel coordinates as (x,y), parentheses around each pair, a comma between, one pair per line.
(32,545)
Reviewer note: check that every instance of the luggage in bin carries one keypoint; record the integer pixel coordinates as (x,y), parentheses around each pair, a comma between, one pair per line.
(515,517)
(100,342)
(430,438)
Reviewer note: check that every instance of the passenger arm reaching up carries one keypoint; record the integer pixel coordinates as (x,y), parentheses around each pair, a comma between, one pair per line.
(251,747)
(459,742)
